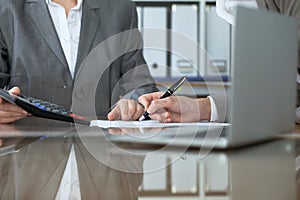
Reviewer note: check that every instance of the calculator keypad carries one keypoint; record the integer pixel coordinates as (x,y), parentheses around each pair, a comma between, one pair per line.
(51,107)
(44,105)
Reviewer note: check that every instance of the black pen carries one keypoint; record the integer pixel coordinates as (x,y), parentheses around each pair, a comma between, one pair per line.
(168,93)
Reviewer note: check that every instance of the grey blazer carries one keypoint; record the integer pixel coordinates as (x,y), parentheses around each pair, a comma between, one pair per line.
(32,58)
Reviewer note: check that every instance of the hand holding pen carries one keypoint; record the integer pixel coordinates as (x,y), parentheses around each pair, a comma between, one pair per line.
(168,93)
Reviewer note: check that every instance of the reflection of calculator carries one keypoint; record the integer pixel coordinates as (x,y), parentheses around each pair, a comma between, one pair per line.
(14,144)
(44,109)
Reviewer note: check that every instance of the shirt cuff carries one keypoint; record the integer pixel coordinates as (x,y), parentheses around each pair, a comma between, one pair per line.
(213,110)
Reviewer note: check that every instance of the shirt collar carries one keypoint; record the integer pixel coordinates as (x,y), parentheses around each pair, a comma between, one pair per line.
(78,6)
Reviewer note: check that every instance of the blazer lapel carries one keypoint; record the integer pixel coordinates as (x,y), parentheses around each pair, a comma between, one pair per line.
(89,27)
(41,17)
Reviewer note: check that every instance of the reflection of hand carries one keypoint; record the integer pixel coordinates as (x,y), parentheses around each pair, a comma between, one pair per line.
(124,131)
(126,109)
(8,130)
(176,108)
(9,112)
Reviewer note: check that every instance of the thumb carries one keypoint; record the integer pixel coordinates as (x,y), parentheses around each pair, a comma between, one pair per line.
(15,90)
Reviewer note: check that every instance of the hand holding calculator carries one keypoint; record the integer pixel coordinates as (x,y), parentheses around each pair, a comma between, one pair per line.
(44,109)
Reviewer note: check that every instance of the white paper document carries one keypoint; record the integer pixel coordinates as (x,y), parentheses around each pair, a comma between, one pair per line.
(149,124)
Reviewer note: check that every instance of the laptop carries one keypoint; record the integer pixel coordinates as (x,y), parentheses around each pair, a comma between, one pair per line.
(262,96)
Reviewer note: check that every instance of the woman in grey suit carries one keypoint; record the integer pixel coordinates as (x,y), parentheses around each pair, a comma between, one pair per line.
(43,46)
(178,108)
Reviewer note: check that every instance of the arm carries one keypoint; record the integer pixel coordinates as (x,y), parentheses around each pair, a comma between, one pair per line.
(4,74)
(135,72)
(8,112)
(135,77)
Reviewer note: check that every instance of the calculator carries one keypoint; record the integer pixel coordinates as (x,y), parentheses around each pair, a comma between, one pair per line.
(43,109)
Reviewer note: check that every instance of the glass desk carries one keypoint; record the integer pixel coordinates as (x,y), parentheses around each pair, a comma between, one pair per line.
(37,152)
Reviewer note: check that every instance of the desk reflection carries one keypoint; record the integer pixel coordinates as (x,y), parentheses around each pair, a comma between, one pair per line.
(112,171)
(36,170)
(264,172)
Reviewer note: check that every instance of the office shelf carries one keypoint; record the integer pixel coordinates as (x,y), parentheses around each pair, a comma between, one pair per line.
(196,20)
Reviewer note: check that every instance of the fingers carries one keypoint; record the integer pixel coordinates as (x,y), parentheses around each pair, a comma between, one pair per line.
(13,109)
(167,117)
(114,114)
(138,112)
(146,99)
(164,117)
(126,110)
(9,112)
(159,105)
(178,104)
(8,116)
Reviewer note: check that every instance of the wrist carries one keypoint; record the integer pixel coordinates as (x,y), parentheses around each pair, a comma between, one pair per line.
(204,108)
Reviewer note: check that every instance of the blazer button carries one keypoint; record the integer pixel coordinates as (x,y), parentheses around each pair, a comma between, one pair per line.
(79,95)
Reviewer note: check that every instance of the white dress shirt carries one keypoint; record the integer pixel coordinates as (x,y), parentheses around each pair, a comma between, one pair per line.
(213,110)
(68,31)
